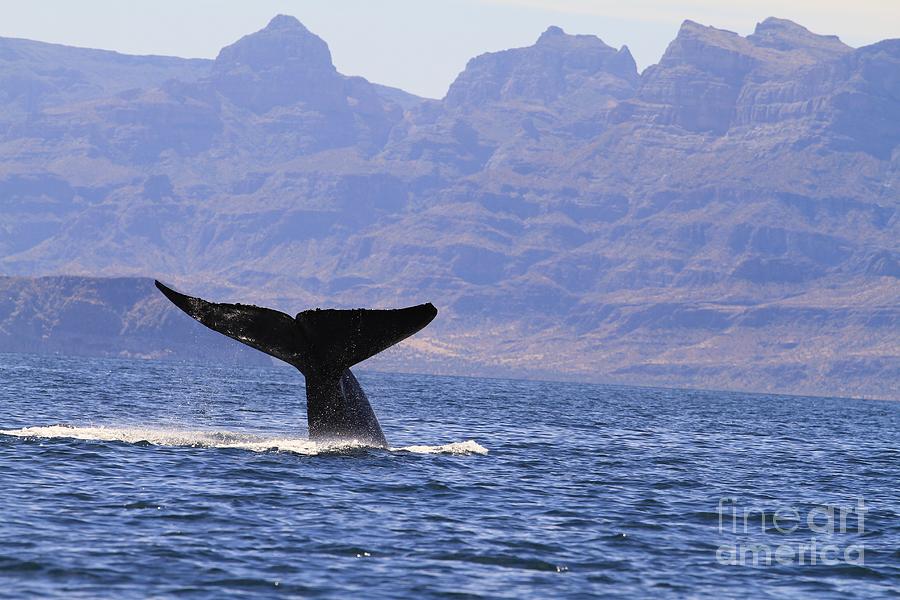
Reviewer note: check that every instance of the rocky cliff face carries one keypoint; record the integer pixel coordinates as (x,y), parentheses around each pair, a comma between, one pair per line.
(122,317)
(557,66)
(726,218)
(710,80)
(281,65)
(284,76)
(35,76)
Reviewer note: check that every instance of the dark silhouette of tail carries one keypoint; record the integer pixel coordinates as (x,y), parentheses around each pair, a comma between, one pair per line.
(336,340)
(268,330)
(323,345)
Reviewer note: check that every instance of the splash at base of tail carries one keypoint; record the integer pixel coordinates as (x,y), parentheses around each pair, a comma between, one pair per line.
(158,436)
(321,344)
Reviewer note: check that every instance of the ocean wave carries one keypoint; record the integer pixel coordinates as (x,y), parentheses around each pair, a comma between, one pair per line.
(225,439)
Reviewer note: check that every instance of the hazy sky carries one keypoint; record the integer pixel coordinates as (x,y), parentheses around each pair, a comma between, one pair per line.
(421,45)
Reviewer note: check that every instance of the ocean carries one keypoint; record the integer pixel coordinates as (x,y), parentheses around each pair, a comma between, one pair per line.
(133,479)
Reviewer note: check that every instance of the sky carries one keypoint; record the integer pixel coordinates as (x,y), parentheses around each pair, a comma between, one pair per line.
(421,45)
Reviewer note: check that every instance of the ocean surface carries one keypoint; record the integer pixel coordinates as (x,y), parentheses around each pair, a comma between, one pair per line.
(134,479)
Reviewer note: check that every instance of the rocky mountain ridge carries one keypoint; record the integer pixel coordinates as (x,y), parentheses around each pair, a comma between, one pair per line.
(726,218)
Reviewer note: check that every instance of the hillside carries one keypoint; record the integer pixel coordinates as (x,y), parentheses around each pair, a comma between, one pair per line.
(726,218)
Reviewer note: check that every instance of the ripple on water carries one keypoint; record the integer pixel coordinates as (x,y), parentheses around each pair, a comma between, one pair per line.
(188,480)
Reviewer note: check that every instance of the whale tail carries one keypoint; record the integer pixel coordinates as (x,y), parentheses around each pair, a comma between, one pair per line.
(317,342)
(323,345)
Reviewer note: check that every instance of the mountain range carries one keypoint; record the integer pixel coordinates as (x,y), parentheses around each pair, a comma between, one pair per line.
(726,218)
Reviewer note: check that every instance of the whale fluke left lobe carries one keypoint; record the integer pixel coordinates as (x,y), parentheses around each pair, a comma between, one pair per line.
(267,330)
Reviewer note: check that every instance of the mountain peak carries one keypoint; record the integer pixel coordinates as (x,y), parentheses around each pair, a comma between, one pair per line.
(552,32)
(774,23)
(280,64)
(285,22)
(556,65)
(707,33)
(283,40)
(785,35)
(777,43)
(709,49)
(555,37)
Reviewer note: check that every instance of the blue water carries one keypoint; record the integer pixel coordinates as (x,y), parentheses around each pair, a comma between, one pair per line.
(179,480)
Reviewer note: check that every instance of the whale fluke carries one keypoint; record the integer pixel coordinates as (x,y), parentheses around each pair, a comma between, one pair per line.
(270,331)
(321,344)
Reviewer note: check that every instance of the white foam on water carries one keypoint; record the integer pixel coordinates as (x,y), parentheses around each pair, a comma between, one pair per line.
(467,447)
(223,439)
